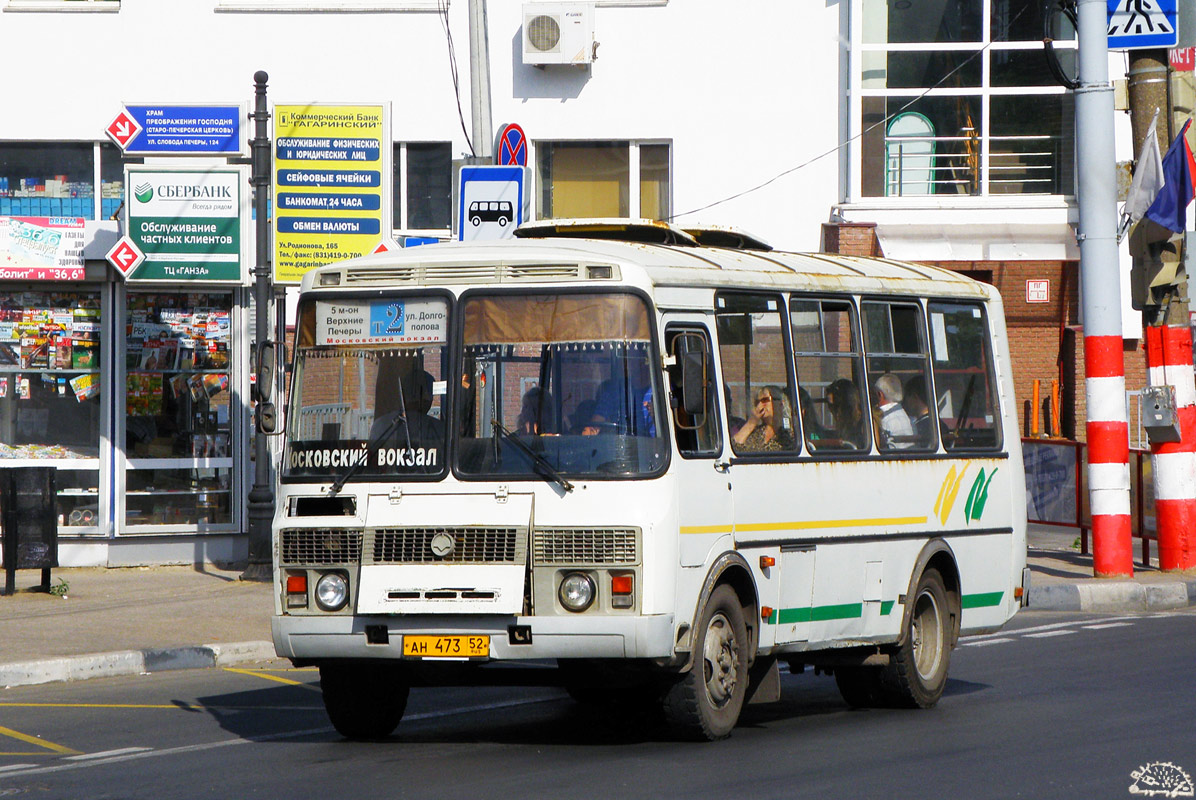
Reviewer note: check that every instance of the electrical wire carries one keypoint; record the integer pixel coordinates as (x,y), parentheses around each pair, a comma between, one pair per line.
(442,7)
(841,145)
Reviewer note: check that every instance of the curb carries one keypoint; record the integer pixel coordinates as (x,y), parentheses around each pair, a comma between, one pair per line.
(132,662)
(1112,596)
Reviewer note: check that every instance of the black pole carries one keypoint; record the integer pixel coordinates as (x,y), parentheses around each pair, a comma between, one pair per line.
(261,496)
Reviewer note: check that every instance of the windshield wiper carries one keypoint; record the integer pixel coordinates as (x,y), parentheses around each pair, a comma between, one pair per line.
(370,447)
(546,470)
(400,416)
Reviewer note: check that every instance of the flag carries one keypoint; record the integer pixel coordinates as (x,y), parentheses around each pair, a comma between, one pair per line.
(1170,207)
(1148,176)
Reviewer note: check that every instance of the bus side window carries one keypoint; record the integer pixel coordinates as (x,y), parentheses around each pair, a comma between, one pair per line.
(898,375)
(965,384)
(751,344)
(697,434)
(830,375)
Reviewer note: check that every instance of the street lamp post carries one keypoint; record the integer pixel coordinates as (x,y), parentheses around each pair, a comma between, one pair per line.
(261,496)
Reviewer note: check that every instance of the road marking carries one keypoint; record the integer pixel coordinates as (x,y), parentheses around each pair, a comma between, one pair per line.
(1048,634)
(16,766)
(1128,620)
(160,706)
(986,642)
(273,737)
(108,753)
(268,677)
(1107,625)
(57,748)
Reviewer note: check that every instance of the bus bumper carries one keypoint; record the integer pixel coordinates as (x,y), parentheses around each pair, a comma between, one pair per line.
(314,638)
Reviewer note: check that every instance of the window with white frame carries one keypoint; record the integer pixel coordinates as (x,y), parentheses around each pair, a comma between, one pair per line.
(62,5)
(603,179)
(956,98)
(423,186)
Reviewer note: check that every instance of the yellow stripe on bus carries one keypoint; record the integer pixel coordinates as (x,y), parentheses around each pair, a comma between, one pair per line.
(705,529)
(759,527)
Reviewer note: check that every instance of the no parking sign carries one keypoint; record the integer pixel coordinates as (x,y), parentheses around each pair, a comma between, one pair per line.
(511,149)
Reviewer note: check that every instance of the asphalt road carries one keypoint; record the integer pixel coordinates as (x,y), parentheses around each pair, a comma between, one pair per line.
(1056,706)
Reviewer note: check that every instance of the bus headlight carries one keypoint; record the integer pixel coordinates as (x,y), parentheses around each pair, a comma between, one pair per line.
(577,591)
(332,591)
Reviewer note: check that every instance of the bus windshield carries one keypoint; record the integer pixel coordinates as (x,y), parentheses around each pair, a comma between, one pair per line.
(369,388)
(572,376)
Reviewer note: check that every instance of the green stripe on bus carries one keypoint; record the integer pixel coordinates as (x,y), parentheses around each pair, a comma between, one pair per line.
(983,600)
(790,616)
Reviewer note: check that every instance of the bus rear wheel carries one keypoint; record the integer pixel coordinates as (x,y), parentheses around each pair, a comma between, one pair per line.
(917,671)
(364,701)
(705,702)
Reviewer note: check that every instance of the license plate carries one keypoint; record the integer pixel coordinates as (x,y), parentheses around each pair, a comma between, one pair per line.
(446,646)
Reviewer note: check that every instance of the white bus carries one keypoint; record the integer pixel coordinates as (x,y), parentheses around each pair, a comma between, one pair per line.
(643,464)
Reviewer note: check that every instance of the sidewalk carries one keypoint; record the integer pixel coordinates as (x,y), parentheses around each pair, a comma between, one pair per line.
(134,620)
(1062,580)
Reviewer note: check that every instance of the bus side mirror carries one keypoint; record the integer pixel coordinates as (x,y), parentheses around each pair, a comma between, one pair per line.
(694,368)
(265,365)
(267,418)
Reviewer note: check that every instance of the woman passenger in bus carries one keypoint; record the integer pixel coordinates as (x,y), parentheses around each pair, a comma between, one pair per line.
(769,428)
(535,417)
(843,397)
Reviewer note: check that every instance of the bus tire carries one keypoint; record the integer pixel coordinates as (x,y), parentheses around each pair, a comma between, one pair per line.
(705,702)
(917,671)
(364,701)
(860,686)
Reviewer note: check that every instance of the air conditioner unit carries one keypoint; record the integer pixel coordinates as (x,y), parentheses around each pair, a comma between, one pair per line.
(558,33)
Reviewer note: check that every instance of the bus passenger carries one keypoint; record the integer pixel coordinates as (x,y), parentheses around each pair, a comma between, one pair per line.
(407,419)
(535,417)
(768,428)
(843,397)
(918,410)
(894,431)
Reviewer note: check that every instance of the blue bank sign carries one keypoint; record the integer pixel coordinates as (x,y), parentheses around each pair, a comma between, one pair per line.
(166,129)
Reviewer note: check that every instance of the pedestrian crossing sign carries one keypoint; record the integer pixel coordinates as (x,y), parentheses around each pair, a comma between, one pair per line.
(1142,23)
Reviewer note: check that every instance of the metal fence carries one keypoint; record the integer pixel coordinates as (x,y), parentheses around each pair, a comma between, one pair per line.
(1055,492)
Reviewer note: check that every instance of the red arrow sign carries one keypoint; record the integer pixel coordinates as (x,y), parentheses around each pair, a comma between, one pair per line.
(123,129)
(125,256)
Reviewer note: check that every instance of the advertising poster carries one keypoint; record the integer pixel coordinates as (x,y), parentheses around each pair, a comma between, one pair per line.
(41,248)
(331,185)
(190,224)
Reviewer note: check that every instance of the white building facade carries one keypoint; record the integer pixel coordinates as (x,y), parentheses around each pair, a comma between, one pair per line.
(934,124)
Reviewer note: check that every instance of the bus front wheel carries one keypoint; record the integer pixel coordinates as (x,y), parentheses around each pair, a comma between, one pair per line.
(364,701)
(705,702)
(917,671)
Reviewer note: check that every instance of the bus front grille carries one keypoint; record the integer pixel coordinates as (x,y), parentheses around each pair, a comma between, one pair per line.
(446,545)
(571,546)
(327,546)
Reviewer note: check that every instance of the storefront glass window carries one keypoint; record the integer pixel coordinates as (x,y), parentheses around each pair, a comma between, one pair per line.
(178,427)
(50,391)
(47,179)
(112,179)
